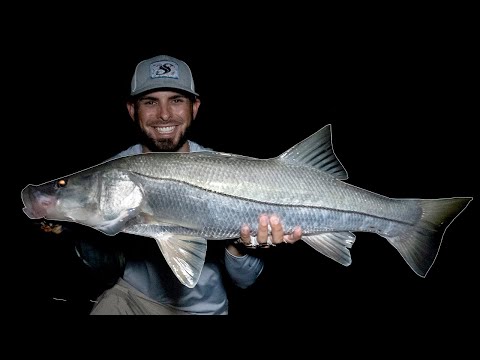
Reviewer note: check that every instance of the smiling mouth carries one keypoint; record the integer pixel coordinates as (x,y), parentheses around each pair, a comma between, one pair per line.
(164,129)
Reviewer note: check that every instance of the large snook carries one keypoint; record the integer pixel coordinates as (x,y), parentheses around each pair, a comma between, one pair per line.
(182,199)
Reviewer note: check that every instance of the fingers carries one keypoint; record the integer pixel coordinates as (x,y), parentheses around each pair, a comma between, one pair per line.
(262,234)
(245,235)
(294,236)
(270,232)
(277,230)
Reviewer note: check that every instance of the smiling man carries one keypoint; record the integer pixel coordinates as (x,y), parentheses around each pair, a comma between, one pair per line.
(163,104)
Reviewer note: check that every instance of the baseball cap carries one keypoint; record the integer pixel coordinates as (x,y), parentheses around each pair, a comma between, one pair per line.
(162,71)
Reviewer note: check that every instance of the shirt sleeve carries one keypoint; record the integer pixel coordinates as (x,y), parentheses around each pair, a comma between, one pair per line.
(243,270)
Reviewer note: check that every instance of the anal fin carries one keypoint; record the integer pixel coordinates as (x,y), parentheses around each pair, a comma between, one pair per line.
(334,245)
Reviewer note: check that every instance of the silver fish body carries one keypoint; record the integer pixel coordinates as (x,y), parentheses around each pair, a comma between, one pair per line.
(183,199)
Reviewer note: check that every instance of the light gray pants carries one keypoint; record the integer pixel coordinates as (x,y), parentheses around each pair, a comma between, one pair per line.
(123,299)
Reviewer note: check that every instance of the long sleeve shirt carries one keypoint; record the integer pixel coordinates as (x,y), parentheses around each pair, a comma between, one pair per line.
(147,271)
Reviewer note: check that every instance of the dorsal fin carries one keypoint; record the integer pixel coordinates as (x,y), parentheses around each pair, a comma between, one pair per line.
(317,151)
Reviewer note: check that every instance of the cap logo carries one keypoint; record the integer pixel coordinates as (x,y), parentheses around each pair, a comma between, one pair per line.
(164,69)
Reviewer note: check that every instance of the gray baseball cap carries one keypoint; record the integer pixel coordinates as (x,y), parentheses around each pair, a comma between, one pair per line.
(162,71)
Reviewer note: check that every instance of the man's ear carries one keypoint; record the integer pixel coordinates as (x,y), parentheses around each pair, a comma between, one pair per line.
(131,109)
(195,106)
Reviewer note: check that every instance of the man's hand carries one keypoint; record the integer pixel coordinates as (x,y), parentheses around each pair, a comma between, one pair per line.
(265,237)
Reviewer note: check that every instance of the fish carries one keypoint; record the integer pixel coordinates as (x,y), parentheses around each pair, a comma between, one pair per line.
(184,199)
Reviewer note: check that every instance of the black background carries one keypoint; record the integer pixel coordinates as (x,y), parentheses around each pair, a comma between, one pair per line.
(400,101)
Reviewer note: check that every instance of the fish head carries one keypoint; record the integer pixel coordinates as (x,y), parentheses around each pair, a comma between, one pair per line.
(104,200)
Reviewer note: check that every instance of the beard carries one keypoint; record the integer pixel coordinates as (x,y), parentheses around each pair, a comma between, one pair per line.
(162,145)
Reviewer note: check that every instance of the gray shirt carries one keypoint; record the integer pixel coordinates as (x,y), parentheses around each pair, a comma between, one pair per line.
(147,271)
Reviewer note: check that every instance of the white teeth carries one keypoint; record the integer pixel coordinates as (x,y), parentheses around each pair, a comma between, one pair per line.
(165,129)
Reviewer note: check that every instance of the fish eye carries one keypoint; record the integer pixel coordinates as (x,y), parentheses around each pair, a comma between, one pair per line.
(61,183)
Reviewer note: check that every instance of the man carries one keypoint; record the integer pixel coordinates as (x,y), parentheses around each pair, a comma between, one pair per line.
(163,104)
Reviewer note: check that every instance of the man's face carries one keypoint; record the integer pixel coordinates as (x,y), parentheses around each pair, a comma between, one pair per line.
(163,118)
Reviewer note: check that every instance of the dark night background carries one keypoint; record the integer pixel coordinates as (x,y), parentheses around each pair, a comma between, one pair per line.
(400,104)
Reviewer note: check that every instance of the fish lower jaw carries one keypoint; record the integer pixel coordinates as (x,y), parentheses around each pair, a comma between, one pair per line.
(31,214)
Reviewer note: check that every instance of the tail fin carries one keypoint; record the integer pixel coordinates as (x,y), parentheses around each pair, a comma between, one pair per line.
(419,246)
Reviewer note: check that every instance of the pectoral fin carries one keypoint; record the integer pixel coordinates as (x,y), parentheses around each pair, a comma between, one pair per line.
(334,245)
(185,255)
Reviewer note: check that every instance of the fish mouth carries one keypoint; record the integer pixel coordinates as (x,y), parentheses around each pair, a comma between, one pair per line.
(36,204)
